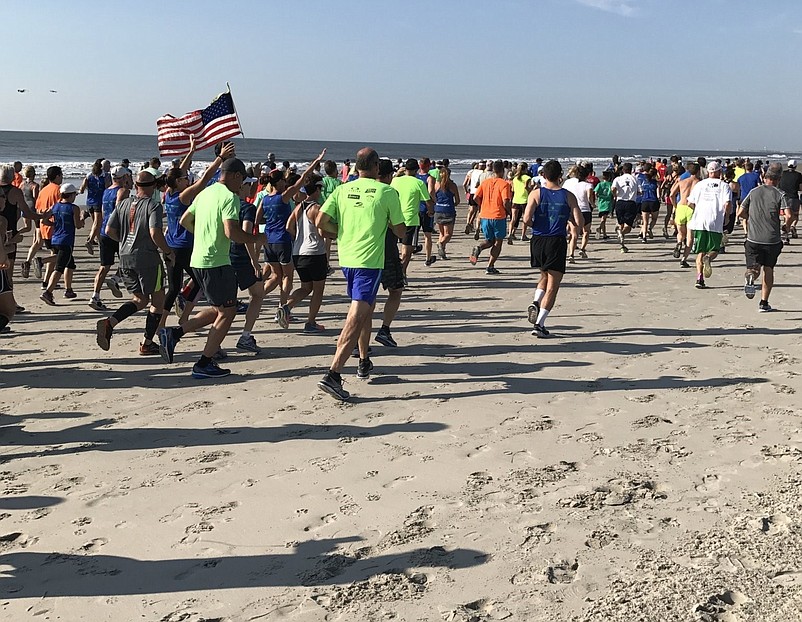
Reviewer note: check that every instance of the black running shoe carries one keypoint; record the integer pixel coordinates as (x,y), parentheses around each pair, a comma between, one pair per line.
(385,338)
(364,368)
(540,331)
(333,388)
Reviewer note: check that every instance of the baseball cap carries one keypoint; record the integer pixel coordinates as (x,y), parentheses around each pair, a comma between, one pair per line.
(713,167)
(119,171)
(791,163)
(234,165)
(68,189)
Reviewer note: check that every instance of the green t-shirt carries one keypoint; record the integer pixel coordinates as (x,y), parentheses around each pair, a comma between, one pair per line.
(411,191)
(519,193)
(362,209)
(210,208)
(604,196)
(329,184)
(435,172)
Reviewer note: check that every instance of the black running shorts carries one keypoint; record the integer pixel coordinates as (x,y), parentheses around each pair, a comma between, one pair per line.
(219,285)
(108,249)
(548,252)
(311,268)
(762,254)
(626,212)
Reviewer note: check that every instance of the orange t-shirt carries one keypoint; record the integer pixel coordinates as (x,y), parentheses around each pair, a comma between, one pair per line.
(48,197)
(493,192)
(17,180)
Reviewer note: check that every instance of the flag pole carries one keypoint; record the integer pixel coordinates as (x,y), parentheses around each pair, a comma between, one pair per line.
(233,105)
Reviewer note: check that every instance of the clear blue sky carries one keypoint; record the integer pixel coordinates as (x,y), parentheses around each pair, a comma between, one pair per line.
(706,74)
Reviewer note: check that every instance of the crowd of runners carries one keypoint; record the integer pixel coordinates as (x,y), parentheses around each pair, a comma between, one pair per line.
(200,245)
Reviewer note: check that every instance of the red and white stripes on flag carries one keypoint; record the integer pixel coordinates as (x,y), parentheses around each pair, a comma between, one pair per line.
(215,123)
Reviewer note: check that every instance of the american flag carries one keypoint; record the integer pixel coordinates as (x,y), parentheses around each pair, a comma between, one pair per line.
(215,123)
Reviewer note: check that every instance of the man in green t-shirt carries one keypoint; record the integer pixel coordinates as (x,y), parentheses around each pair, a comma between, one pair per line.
(413,192)
(213,218)
(358,213)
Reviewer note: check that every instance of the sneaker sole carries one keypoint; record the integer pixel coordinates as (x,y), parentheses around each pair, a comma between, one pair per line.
(282,319)
(749,290)
(202,376)
(102,341)
(333,392)
(531,314)
(163,348)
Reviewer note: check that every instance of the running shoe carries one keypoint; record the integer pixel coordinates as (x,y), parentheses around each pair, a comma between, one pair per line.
(25,268)
(48,298)
(5,330)
(212,370)
(583,254)
(474,255)
(510,239)
(624,249)
(650,234)
(282,316)
(248,344)
(467,229)
(707,268)
(749,286)
(665,232)
(764,307)
(149,349)
(97,304)
(524,237)
(441,253)
(70,294)
(700,284)
(355,353)
(114,286)
(333,388)
(571,259)
(180,303)
(104,331)
(643,240)
(364,368)
(793,233)
(330,271)
(417,249)
(476,234)
(167,343)
(540,331)
(313,328)
(38,267)
(242,307)
(492,270)
(430,260)
(384,337)
(677,250)
(684,264)
(89,247)
(532,312)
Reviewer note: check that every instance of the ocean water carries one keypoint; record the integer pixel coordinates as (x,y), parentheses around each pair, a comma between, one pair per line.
(75,153)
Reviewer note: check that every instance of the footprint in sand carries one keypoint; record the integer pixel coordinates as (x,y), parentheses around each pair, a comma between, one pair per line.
(710,483)
(65,485)
(399,480)
(562,571)
(322,522)
(93,545)
(719,607)
(14,540)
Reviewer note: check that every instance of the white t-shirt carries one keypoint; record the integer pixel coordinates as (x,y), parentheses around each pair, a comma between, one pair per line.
(580,190)
(625,187)
(709,198)
(474,182)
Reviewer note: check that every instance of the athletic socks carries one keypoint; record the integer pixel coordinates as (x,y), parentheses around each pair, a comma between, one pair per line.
(541,316)
(204,361)
(539,293)
(246,334)
(125,311)
(152,324)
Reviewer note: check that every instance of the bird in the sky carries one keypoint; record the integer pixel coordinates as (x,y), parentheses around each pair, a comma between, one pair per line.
(52,91)
(21,90)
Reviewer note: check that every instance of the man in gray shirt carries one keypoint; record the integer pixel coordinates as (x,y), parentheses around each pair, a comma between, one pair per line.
(137,224)
(760,214)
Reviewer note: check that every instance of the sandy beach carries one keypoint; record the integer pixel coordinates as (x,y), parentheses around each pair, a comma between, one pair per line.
(644,464)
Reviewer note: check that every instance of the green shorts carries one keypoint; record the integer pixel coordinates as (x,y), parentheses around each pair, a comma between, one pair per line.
(706,242)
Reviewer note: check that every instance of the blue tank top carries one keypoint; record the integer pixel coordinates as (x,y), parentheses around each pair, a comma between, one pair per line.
(177,236)
(95,187)
(109,203)
(424,177)
(445,202)
(649,190)
(552,213)
(276,214)
(63,225)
